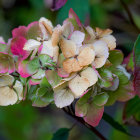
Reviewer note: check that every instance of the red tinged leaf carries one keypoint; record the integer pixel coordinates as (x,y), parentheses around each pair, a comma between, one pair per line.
(72,14)
(91,113)
(6,63)
(136,53)
(57,4)
(17,46)
(94,114)
(22,69)
(21,35)
(20,31)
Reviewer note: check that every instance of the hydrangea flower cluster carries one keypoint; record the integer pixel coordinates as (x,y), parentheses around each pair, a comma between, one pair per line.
(63,64)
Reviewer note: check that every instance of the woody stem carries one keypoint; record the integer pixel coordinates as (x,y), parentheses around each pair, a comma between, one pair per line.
(81,120)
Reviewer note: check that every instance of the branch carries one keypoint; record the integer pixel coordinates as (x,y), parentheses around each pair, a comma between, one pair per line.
(85,124)
(130,16)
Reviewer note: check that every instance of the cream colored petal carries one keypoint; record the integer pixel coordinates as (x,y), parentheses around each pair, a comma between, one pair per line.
(91,33)
(110,40)
(50,50)
(71,65)
(64,81)
(7,96)
(72,75)
(86,56)
(77,37)
(47,48)
(90,74)
(44,31)
(63,96)
(101,53)
(47,24)
(99,61)
(101,33)
(67,29)
(55,53)
(6,80)
(78,85)
(56,35)
(31,44)
(68,48)
(19,89)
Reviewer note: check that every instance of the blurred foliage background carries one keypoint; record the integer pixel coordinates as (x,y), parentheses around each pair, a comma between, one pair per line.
(24,122)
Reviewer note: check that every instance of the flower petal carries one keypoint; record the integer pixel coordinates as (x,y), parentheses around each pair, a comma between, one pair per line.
(78,85)
(91,33)
(22,69)
(62,73)
(6,63)
(110,40)
(56,35)
(20,31)
(17,45)
(2,40)
(19,89)
(63,96)
(68,48)
(90,74)
(67,29)
(78,37)
(40,74)
(31,44)
(47,24)
(34,31)
(86,56)
(50,50)
(7,96)
(102,33)
(6,80)
(101,53)
(34,81)
(71,65)
(53,77)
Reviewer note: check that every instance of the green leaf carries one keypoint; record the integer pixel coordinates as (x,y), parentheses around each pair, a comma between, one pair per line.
(3,47)
(61,134)
(23,80)
(45,59)
(114,123)
(123,93)
(45,83)
(107,78)
(82,105)
(42,98)
(43,95)
(33,65)
(130,62)
(133,108)
(53,77)
(101,99)
(115,57)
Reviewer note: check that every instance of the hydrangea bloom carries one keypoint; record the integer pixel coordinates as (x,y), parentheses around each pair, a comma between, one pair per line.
(62,64)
